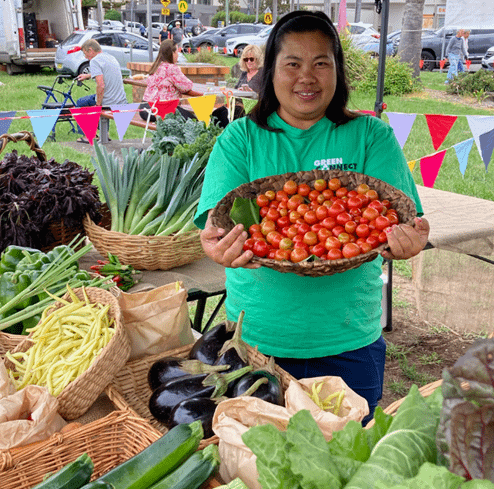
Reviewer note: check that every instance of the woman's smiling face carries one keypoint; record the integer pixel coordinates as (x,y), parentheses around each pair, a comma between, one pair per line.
(304,78)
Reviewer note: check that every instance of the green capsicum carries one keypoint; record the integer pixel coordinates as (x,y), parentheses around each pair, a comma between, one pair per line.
(13,284)
(12,255)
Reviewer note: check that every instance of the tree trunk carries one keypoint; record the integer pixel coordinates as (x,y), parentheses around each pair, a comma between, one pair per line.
(410,46)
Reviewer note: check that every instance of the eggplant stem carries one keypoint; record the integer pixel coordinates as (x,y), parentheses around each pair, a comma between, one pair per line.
(255,386)
(236,342)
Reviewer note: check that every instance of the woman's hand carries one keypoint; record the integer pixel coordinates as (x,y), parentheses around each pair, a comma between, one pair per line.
(406,241)
(227,250)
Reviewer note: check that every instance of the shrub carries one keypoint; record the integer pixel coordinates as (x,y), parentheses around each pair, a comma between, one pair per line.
(113,15)
(205,56)
(234,16)
(472,83)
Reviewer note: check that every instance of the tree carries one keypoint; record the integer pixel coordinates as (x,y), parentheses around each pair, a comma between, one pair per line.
(233,5)
(410,47)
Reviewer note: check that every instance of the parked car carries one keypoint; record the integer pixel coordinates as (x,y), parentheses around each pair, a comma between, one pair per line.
(125,46)
(361,33)
(112,24)
(395,37)
(488,60)
(434,46)
(134,27)
(220,37)
(393,40)
(186,44)
(156,28)
(193,27)
(237,44)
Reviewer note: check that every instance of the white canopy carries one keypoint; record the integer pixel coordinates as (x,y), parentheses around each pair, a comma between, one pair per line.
(469,14)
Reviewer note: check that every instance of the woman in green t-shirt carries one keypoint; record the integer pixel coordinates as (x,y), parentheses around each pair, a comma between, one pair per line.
(313,326)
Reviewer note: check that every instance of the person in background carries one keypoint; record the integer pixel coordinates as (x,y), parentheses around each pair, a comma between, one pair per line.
(166,81)
(312,326)
(466,35)
(177,34)
(163,35)
(142,30)
(105,70)
(454,53)
(251,63)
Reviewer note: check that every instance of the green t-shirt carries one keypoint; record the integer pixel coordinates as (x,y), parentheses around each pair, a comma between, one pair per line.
(287,315)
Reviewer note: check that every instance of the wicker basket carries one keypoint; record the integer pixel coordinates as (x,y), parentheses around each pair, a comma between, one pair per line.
(109,441)
(60,233)
(9,342)
(79,395)
(130,390)
(405,207)
(145,252)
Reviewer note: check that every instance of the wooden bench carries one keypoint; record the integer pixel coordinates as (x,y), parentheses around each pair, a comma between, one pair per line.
(105,124)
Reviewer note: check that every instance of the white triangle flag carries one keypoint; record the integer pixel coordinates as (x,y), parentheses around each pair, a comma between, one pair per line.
(480,124)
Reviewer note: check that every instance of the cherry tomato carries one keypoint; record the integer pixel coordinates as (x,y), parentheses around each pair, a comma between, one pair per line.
(350,250)
(249,244)
(282,254)
(267,227)
(320,199)
(294,201)
(283,221)
(383,237)
(310,238)
(320,184)
(274,238)
(382,222)
(393,217)
(292,231)
(344,238)
(334,254)
(301,244)
(329,222)
(321,212)
(271,254)
(365,247)
(362,230)
(262,200)
(270,194)
(334,184)
(362,188)
(310,217)
(286,244)
(352,193)
(272,214)
(303,189)
(260,248)
(258,235)
(318,249)
(372,194)
(316,227)
(337,230)
(354,203)
(328,193)
(335,209)
(373,241)
(332,242)
(263,211)
(253,228)
(350,227)
(377,205)
(323,234)
(281,195)
(298,254)
(313,194)
(293,216)
(343,218)
(341,192)
(302,209)
(290,187)
(370,213)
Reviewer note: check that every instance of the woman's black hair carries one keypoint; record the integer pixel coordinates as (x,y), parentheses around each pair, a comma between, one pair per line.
(301,21)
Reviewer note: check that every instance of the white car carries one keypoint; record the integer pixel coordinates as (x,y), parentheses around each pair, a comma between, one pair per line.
(113,24)
(235,45)
(156,28)
(488,60)
(134,27)
(361,33)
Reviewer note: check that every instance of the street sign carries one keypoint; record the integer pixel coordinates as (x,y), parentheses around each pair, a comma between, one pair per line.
(165,11)
(182,6)
(165,2)
(268,18)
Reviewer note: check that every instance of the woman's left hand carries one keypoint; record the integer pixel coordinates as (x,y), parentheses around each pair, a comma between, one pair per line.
(406,241)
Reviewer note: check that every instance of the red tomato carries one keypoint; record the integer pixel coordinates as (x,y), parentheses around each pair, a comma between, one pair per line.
(267,227)
(383,237)
(350,250)
(310,217)
(382,222)
(352,193)
(334,184)
(318,249)
(276,237)
(316,227)
(271,254)
(365,247)
(249,244)
(344,238)
(386,203)
(298,254)
(281,195)
(363,188)
(377,205)
(332,242)
(301,244)
(290,187)
(341,192)
(293,216)
(258,235)
(372,194)
(253,228)
(322,212)
(373,241)
(334,254)
(286,244)
(323,234)
(270,194)
(263,211)
(335,209)
(303,228)
(292,231)
(356,213)
(393,217)
(350,227)
(302,209)
(343,218)
(282,255)
(320,184)
(370,213)
(294,201)
(260,248)
(299,238)
(272,215)
(329,222)
(283,221)
(284,230)
(337,230)
(303,189)
(262,200)
(310,238)
(362,230)
(313,194)
(354,203)
(328,193)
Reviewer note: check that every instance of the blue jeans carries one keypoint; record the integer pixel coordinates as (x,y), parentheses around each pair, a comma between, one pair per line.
(453,65)
(86,101)
(362,370)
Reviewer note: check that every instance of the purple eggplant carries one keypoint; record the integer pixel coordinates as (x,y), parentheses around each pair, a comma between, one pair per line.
(234,351)
(206,348)
(168,368)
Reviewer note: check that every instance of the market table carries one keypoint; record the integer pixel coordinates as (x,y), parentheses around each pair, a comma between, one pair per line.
(202,279)
(458,223)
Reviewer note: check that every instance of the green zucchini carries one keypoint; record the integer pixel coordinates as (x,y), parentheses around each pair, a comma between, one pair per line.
(72,476)
(193,472)
(157,460)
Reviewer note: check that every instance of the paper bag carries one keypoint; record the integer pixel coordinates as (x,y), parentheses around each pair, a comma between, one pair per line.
(156,320)
(26,416)
(231,420)
(353,407)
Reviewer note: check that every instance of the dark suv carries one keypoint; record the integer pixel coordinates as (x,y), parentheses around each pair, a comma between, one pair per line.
(219,37)
(434,46)
(193,27)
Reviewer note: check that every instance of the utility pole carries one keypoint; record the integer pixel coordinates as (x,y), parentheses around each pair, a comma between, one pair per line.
(275,11)
(327,8)
(257,10)
(227,14)
(358,9)
(150,31)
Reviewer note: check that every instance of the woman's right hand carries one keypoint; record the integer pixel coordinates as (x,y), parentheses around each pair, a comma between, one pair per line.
(227,250)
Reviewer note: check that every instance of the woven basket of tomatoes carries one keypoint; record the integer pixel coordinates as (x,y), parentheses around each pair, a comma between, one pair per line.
(315,223)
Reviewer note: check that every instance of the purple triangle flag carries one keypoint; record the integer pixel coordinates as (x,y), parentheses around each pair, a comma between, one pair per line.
(43,121)
(486,145)
(462,152)
(122,119)
(402,125)
(5,121)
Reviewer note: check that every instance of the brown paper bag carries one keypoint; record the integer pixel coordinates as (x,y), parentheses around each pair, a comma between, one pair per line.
(353,407)
(26,416)
(231,420)
(156,320)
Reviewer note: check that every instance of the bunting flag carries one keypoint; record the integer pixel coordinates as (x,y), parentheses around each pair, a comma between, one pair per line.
(249,104)
(480,124)
(487,145)
(342,16)
(203,107)
(462,152)
(411,164)
(468,62)
(439,127)
(88,119)
(5,123)
(429,167)
(402,125)
(43,122)
(442,63)
(122,119)
(164,107)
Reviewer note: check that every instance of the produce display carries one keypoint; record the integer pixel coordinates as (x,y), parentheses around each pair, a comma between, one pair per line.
(124,276)
(330,403)
(73,476)
(184,391)
(325,222)
(30,278)
(66,342)
(34,194)
(150,194)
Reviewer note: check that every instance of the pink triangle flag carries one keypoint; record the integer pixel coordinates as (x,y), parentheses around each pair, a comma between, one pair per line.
(88,119)
(439,126)
(429,167)
(166,106)
(487,145)
(402,125)
(122,115)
